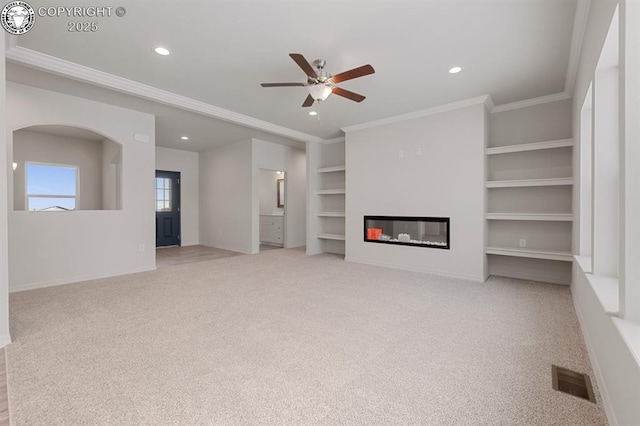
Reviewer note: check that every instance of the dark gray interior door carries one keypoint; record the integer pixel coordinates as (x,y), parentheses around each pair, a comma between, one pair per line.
(167,208)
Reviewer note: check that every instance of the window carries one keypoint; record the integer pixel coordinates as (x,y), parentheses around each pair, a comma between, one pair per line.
(163,194)
(51,187)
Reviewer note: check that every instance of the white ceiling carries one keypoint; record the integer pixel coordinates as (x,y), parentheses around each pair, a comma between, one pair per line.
(222,50)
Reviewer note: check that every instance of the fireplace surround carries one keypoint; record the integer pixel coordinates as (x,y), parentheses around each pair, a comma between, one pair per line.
(416,231)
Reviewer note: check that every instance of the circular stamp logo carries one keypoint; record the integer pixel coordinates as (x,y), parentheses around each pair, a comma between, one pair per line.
(17,17)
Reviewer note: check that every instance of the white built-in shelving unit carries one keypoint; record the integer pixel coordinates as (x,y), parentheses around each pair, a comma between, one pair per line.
(529,212)
(327,174)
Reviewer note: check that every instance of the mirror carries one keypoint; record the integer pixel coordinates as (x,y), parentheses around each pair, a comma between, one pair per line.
(280,192)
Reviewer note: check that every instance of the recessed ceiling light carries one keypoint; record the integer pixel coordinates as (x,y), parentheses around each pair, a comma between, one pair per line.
(455,70)
(162,51)
(313,113)
(184,138)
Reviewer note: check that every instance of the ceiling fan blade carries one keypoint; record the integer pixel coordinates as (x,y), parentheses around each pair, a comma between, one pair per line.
(354,73)
(347,94)
(281,84)
(308,102)
(304,64)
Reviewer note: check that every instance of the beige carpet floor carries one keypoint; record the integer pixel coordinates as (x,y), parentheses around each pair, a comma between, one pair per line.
(284,338)
(167,256)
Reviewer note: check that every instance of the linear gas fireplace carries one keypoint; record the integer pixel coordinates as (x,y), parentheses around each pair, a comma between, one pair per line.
(430,232)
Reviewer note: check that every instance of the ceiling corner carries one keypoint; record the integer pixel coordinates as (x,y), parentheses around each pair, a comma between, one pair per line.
(579,26)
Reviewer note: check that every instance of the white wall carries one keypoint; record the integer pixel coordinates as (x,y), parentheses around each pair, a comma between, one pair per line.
(267,181)
(46,148)
(617,370)
(54,248)
(292,161)
(5,339)
(226,197)
(187,163)
(445,180)
(111,175)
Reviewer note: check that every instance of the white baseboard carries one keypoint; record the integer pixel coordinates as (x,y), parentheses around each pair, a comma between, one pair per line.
(478,278)
(4,341)
(597,371)
(63,281)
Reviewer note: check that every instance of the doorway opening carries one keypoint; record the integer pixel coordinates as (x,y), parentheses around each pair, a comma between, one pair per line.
(167,208)
(272,185)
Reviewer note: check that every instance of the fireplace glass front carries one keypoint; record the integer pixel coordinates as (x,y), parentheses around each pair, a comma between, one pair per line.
(430,232)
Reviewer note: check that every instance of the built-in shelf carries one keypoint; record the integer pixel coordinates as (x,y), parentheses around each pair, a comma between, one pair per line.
(562,143)
(530,182)
(552,217)
(331,214)
(338,237)
(533,254)
(332,191)
(331,169)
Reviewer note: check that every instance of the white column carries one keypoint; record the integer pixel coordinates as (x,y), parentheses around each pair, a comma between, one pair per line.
(629,264)
(5,338)
(605,173)
(314,245)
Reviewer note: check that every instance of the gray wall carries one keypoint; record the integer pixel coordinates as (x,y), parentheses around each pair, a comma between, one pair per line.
(57,248)
(225,197)
(230,198)
(60,150)
(445,180)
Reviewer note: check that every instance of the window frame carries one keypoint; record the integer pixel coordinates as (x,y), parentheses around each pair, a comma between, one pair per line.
(42,163)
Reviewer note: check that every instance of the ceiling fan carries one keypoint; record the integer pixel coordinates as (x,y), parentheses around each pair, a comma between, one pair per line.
(320,83)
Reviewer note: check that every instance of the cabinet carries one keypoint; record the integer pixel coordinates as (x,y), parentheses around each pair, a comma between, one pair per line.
(529,210)
(272,230)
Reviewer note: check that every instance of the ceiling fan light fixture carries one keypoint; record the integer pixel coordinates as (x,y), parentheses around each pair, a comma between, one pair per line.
(313,113)
(319,91)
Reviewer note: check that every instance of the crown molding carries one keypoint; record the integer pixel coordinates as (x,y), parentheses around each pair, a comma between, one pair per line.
(531,102)
(334,140)
(484,99)
(10,41)
(82,73)
(577,37)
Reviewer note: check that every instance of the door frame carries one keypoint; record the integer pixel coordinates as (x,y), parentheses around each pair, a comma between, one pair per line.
(176,201)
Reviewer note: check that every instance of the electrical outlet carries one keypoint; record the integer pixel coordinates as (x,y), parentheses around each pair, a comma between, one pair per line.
(418,151)
(141,247)
(401,153)
(523,243)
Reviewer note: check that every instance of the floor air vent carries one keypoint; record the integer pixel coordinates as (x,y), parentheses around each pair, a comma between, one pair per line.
(576,384)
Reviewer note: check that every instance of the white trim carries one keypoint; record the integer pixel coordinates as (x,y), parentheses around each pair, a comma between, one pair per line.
(78,72)
(529,182)
(331,169)
(597,371)
(579,26)
(10,41)
(337,237)
(63,281)
(478,278)
(334,140)
(4,341)
(560,256)
(561,143)
(532,102)
(552,217)
(484,99)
